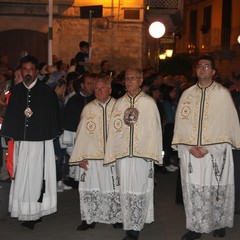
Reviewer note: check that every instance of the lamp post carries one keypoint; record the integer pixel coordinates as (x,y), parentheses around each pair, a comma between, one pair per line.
(157,30)
(90,33)
(50,31)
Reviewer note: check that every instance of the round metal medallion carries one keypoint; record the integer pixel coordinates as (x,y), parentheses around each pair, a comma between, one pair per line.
(131,116)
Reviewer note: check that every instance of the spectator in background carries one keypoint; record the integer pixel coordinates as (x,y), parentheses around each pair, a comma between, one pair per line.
(70,78)
(84,88)
(54,59)
(5,68)
(57,72)
(147,83)
(60,150)
(10,144)
(3,172)
(43,73)
(2,95)
(17,76)
(118,88)
(169,103)
(72,66)
(105,68)
(82,58)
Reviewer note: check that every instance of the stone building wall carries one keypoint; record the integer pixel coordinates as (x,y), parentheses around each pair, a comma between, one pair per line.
(121,44)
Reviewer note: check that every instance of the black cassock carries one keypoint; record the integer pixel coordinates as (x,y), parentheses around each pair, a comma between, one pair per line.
(44,120)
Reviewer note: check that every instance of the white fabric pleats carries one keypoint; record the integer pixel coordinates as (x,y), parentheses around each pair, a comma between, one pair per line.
(28,179)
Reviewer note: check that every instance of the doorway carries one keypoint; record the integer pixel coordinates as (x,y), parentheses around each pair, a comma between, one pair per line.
(14,42)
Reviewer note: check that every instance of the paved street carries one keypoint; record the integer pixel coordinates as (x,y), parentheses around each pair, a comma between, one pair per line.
(169,219)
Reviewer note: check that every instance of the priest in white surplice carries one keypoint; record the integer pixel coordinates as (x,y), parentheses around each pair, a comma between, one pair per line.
(206,130)
(135,143)
(98,184)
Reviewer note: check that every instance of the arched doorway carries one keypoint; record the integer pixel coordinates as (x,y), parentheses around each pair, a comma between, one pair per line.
(13,42)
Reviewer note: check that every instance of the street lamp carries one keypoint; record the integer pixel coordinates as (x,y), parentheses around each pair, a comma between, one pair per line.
(169,52)
(157,29)
(162,56)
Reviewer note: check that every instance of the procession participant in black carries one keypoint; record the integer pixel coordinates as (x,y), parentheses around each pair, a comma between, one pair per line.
(32,121)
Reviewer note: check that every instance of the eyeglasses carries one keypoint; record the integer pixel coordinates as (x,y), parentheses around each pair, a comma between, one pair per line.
(131,78)
(203,67)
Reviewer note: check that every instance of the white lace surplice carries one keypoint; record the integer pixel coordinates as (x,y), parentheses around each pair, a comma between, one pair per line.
(203,212)
(99,194)
(136,192)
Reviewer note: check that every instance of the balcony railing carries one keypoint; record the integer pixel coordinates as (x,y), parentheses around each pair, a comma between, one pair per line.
(167,4)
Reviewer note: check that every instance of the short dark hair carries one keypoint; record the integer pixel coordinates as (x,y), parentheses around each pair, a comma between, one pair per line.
(83,44)
(29,58)
(209,58)
(41,65)
(71,76)
(78,81)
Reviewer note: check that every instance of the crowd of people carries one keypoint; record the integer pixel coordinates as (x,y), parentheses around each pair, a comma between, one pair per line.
(108,134)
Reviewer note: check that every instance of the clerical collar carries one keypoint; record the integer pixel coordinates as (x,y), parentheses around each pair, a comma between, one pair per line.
(103,104)
(81,93)
(199,85)
(135,95)
(31,85)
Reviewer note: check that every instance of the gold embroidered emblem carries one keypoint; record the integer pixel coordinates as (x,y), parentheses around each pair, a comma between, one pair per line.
(118,124)
(90,116)
(117,113)
(91,126)
(187,100)
(185,112)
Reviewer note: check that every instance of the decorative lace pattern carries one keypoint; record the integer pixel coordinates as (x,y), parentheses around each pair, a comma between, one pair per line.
(100,207)
(137,209)
(203,212)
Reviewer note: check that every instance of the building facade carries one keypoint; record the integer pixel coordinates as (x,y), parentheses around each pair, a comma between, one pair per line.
(119,30)
(119,35)
(212,26)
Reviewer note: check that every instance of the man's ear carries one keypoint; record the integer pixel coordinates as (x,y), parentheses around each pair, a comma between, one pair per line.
(214,72)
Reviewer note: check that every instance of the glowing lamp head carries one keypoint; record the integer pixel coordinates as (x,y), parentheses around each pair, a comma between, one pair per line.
(238,39)
(157,29)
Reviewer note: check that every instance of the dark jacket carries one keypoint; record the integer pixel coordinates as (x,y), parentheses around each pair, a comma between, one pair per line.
(73,110)
(44,123)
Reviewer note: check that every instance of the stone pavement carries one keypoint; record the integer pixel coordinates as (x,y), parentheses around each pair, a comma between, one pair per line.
(169,219)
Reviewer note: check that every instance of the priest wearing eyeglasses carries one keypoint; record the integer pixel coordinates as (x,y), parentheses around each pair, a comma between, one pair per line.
(206,131)
(135,144)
